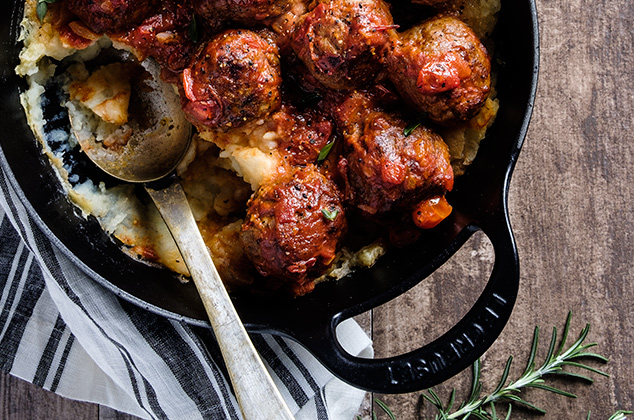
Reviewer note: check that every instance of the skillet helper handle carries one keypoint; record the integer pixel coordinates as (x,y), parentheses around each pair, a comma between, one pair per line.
(255,391)
(451,353)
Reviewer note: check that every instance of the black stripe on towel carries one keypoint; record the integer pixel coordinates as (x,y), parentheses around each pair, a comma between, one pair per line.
(322,412)
(8,248)
(44,366)
(6,193)
(46,250)
(179,358)
(207,345)
(290,382)
(32,291)
(62,363)
(12,254)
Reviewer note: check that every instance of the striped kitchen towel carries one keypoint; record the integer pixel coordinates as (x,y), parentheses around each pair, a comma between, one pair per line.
(64,332)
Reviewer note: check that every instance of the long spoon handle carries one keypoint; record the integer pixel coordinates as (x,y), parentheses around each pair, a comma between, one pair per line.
(255,391)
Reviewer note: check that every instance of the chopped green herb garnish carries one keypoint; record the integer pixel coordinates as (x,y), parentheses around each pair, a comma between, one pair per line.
(410,128)
(193,29)
(330,215)
(323,154)
(42,8)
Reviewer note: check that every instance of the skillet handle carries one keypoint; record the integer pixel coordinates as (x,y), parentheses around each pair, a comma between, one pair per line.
(451,353)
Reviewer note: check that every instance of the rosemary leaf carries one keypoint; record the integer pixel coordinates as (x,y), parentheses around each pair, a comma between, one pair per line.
(508,413)
(323,154)
(505,375)
(523,402)
(330,214)
(475,382)
(564,335)
(586,367)
(452,399)
(385,408)
(619,415)
(592,356)
(530,364)
(410,128)
(551,348)
(574,375)
(553,390)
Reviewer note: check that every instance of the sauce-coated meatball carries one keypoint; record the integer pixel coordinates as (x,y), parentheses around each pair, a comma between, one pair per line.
(302,136)
(386,168)
(165,35)
(344,42)
(442,69)
(234,78)
(293,227)
(112,15)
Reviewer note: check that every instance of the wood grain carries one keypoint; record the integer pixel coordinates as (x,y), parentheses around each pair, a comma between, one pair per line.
(571,205)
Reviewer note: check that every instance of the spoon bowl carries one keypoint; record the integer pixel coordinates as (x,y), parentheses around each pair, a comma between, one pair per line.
(157,132)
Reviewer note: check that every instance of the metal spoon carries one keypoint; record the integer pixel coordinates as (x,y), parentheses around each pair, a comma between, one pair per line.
(160,138)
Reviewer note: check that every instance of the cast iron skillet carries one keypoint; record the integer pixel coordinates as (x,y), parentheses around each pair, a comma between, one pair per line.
(479,201)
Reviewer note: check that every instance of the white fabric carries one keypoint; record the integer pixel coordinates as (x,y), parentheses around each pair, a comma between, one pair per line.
(63,331)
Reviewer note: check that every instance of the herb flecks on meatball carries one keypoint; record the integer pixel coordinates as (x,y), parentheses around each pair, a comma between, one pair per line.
(293,227)
(385,166)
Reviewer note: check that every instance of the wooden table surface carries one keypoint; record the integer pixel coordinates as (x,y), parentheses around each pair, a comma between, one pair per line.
(571,204)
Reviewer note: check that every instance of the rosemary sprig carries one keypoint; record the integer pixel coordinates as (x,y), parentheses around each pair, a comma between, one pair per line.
(557,358)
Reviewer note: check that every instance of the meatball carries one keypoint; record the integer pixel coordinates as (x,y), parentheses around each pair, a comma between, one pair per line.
(165,35)
(234,78)
(246,12)
(442,69)
(112,15)
(387,166)
(293,227)
(344,42)
(302,136)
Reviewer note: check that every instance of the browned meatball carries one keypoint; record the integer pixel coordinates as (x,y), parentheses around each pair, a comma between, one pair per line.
(442,69)
(165,35)
(246,12)
(343,42)
(302,135)
(234,78)
(385,167)
(112,15)
(293,227)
